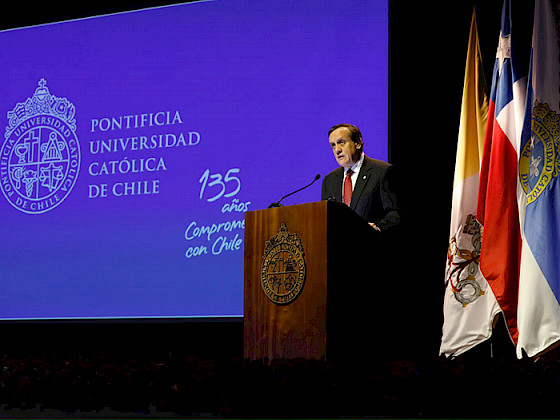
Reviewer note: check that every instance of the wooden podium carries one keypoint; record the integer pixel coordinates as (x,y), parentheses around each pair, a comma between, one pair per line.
(314,283)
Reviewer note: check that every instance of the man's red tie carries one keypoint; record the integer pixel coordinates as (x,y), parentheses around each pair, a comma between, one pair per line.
(348,187)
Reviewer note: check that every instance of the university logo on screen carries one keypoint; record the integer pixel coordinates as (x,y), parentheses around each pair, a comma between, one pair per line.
(40,155)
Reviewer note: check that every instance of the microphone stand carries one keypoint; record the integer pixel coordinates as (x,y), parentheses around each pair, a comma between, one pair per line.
(277,204)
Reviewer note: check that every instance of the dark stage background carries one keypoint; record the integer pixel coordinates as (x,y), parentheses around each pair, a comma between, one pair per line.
(428,43)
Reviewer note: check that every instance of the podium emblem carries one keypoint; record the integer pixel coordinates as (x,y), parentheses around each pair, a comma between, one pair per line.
(283,268)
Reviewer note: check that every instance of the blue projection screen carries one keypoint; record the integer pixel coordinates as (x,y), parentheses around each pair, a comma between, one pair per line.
(134,143)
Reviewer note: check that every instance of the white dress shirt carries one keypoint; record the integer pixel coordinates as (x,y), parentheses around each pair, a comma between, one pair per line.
(356,170)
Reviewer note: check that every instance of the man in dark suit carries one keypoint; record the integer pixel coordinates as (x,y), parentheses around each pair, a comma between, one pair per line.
(363,183)
(369,190)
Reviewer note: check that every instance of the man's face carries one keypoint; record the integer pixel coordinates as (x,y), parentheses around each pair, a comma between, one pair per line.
(345,150)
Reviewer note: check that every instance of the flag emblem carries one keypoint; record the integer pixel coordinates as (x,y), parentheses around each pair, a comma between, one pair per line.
(539,162)
(463,264)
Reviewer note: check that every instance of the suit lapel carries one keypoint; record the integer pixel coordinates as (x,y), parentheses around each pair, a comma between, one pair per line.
(338,191)
(361,182)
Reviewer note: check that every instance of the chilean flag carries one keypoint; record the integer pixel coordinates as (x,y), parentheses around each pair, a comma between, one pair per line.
(497,207)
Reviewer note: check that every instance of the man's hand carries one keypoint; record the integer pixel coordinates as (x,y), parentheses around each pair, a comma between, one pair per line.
(373,225)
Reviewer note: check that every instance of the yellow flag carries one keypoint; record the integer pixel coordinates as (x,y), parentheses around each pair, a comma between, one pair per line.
(469,304)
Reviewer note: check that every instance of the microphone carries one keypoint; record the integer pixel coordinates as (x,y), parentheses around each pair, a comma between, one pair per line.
(277,204)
